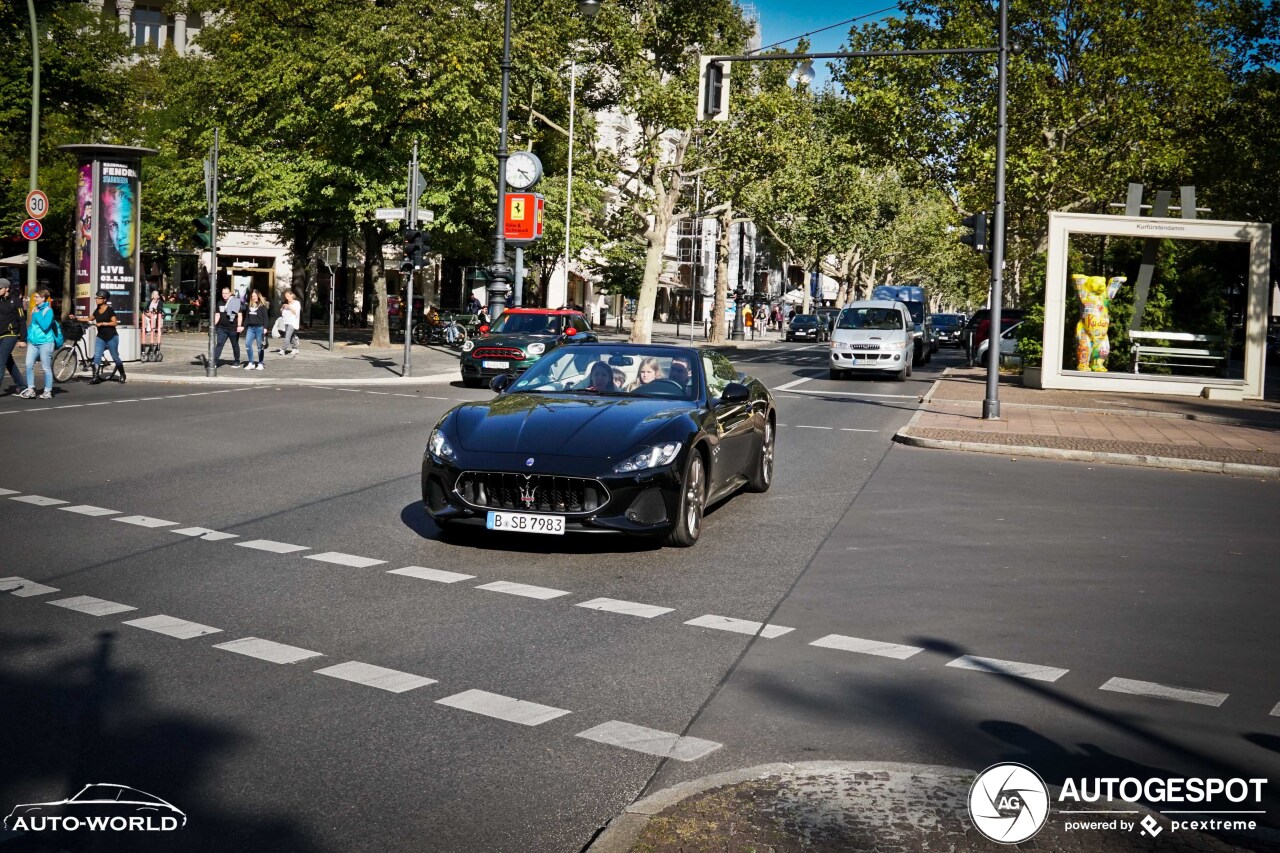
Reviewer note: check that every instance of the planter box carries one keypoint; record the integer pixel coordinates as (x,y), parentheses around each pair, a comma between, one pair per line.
(1031,377)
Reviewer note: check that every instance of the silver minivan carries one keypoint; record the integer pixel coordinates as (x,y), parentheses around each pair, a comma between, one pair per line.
(875,334)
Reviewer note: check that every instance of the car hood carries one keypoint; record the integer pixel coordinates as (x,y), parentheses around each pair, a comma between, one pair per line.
(866,335)
(565,425)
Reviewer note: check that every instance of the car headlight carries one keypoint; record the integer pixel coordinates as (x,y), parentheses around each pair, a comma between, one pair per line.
(439,446)
(650,457)
(468,346)
(894,344)
(839,345)
(535,349)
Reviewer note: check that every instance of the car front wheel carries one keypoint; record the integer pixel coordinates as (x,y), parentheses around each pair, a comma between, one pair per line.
(693,496)
(762,477)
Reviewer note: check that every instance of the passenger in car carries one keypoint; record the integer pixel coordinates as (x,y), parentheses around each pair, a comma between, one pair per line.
(649,370)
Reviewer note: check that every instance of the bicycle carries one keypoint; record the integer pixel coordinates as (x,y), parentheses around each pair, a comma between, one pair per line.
(452,334)
(74,353)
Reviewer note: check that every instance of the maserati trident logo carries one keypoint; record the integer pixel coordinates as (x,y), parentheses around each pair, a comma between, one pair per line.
(527,492)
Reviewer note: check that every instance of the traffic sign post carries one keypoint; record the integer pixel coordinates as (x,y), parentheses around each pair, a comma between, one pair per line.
(37,204)
(31,229)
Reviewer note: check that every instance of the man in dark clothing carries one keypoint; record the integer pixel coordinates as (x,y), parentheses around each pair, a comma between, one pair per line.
(230,325)
(11,326)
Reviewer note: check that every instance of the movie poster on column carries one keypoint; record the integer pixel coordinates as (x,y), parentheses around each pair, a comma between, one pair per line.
(84,240)
(118,236)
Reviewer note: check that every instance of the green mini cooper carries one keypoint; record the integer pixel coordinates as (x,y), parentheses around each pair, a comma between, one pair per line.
(520,337)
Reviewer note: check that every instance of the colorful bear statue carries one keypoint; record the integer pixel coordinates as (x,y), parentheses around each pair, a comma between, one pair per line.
(1095,293)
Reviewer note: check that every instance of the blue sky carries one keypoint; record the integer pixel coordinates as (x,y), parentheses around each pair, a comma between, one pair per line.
(784,19)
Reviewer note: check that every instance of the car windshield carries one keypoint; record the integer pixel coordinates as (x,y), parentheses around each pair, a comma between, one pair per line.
(948,321)
(97,792)
(804,320)
(881,319)
(612,371)
(528,324)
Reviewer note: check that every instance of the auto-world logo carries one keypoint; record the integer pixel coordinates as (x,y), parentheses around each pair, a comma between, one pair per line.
(102,807)
(1008,803)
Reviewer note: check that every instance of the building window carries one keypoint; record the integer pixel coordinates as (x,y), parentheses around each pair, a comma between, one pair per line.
(150,27)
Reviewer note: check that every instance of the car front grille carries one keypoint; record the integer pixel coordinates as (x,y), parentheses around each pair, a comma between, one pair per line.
(531,492)
(498,353)
(864,346)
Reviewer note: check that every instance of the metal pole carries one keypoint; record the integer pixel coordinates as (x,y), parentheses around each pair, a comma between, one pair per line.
(211,368)
(991,405)
(517,298)
(412,209)
(501,273)
(568,192)
(35,143)
(332,294)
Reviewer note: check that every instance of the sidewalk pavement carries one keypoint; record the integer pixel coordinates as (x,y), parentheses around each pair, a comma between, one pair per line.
(353,361)
(861,807)
(1181,433)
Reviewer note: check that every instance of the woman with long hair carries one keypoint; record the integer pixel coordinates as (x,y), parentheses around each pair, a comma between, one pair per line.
(255,329)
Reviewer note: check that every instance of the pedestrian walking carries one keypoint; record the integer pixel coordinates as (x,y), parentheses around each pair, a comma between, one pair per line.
(11,323)
(255,330)
(229,326)
(104,320)
(291,314)
(43,336)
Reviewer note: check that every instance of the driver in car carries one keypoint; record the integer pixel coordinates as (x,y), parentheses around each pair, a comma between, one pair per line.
(680,372)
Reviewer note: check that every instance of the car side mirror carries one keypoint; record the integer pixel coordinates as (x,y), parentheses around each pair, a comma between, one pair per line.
(735,392)
(500,382)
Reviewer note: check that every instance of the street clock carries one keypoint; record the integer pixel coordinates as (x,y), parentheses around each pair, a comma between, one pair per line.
(524,169)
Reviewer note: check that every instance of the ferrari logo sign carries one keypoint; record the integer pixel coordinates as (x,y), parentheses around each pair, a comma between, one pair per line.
(522,216)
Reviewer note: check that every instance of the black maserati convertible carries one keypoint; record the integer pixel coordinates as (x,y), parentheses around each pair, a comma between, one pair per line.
(622,438)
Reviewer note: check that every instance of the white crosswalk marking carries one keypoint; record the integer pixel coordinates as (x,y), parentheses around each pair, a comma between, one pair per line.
(205,534)
(172,626)
(739,626)
(382,678)
(629,608)
(502,707)
(540,592)
(38,500)
(344,559)
(144,521)
(24,588)
(8,491)
(650,741)
(90,605)
(273,547)
(438,575)
(1009,667)
(86,509)
(1164,691)
(866,647)
(256,647)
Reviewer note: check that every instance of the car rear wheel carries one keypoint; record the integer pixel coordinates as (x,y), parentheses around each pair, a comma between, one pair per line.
(693,496)
(762,477)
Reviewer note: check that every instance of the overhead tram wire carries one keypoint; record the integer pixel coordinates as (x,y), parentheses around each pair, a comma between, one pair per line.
(829,27)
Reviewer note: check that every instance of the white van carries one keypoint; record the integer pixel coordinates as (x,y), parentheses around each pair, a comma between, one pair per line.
(875,334)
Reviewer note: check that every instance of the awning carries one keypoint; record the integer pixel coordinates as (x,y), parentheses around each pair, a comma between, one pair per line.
(21,261)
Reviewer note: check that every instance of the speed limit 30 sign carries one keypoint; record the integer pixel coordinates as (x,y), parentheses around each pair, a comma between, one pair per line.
(37,204)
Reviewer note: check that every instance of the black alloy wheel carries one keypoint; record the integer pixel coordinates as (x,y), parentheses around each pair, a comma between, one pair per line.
(693,497)
(762,477)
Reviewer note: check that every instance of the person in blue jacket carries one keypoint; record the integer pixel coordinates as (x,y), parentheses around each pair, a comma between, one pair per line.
(40,342)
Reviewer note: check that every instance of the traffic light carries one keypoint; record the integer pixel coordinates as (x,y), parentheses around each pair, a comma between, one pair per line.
(415,250)
(713,90)
(978,237)
(204,231)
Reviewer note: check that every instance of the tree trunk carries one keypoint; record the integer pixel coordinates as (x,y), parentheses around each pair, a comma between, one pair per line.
(719,309)
(377,284)
(665,199)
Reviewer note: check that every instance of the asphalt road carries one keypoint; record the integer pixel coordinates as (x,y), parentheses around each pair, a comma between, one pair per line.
(1103,572)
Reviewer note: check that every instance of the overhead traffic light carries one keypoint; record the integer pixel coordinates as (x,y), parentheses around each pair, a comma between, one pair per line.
(415,250)
(713,90)
(204,231)
(978,237)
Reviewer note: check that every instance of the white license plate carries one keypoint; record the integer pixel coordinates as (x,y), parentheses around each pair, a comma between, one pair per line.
(496,365)
(526,522)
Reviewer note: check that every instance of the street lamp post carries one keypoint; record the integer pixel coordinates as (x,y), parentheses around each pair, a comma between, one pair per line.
(739,296)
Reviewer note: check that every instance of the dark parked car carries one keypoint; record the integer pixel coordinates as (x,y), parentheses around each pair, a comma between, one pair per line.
(947,328)
(624,438)
(807,327)
(520,337)
(979,328)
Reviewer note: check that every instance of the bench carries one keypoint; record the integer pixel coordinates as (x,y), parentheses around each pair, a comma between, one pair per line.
(1146,351)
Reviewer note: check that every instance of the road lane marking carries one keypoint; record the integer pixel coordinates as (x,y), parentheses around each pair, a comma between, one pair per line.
(344,559)
(38,500)
(853,429)
(145,521)
(86,509)
(1164,691)
(256,647)
(502,707)
(438,575)
(857,394)
(382,678)
(205,534)
(1009,667)
(9,492)
(24,588)
(806,426)
(541,593)
(629,608)
(1275,712)
(866,647)
(172,626)
(92,606)
(739,626)
(650,741)
(272,546)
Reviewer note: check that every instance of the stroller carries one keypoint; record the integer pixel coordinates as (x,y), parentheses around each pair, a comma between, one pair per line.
(152,329)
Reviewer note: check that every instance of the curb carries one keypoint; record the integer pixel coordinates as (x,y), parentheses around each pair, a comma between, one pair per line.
(619,835)
(433,379)
(1236,469)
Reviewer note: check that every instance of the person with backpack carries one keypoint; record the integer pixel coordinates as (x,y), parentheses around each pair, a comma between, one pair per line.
(104,320)
(44,335)
(10,332)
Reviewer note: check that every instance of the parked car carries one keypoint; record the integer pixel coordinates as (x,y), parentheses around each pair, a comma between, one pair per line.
(517,339)
(1008,346)
(807,327)
(873,335)
(979,326)
(634,439)
(947,328)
